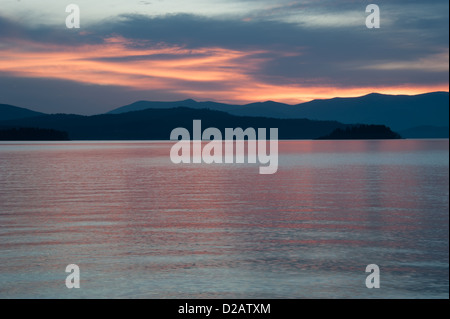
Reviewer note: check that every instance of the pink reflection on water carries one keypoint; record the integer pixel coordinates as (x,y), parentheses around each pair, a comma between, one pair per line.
(125,208)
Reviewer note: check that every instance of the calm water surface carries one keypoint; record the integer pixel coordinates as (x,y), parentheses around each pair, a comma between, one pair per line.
(141,227)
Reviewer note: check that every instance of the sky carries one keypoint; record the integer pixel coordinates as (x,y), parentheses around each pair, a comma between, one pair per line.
(232,51)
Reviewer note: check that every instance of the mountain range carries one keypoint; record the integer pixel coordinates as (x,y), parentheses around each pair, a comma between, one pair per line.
(157,124)
(418,116)
(413,116)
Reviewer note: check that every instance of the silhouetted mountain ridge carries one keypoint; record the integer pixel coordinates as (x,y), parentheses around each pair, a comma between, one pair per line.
(418,116)
(157,124)
(10,112)
(400,112)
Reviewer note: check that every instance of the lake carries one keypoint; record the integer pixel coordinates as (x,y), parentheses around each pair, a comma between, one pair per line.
(139,226)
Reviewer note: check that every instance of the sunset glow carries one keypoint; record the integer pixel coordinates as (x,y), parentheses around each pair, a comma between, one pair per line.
(224,51)
(215,73)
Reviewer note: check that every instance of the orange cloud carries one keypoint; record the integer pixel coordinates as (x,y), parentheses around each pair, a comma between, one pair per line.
(215,73)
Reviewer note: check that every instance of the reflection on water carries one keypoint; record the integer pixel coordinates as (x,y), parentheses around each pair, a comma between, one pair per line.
(141,227)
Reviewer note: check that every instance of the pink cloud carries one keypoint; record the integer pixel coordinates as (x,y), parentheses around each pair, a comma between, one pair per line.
(214,73)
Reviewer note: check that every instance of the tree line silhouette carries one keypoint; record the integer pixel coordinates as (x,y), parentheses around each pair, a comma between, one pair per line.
(32,134)
(362,131)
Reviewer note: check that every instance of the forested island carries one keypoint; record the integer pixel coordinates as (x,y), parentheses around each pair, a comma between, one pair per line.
(32,134)
(362,132)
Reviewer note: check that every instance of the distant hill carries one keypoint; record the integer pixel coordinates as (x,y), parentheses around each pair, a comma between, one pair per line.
(9,112)
(400,112)
(144,105)
(362,132)
(265,109)
(157,124)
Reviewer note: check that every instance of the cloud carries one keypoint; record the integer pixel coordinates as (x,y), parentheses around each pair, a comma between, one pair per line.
(137,68)
(290,51)
(432,63)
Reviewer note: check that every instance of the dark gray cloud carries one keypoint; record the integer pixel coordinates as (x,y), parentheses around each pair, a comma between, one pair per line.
(333,54)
